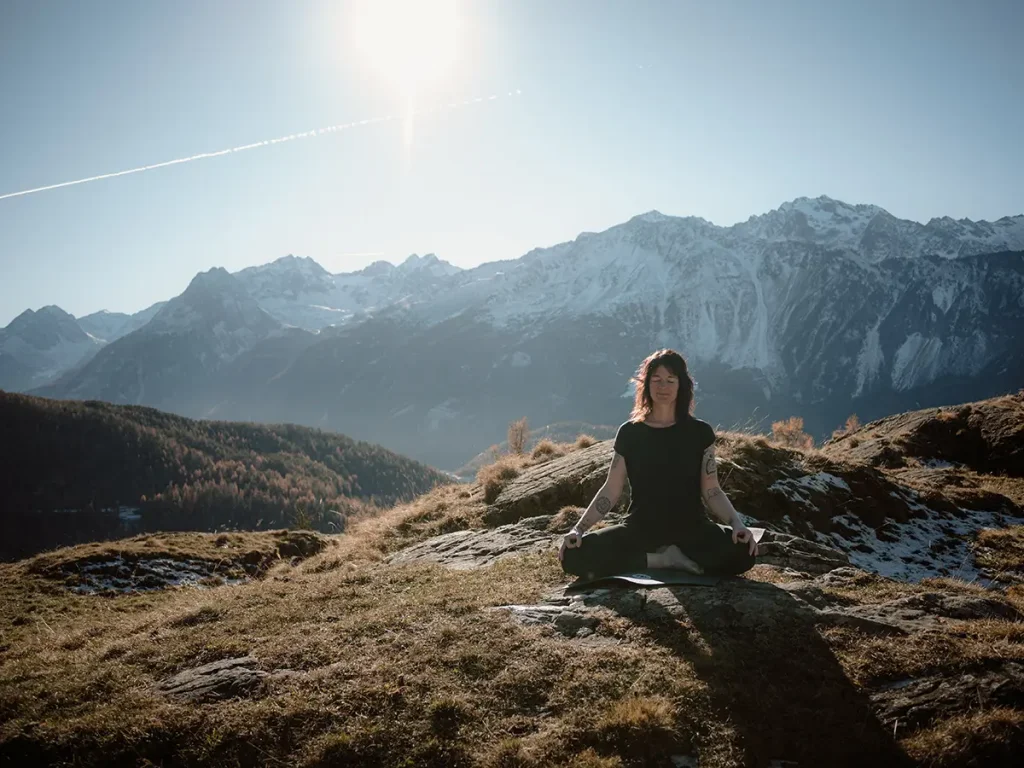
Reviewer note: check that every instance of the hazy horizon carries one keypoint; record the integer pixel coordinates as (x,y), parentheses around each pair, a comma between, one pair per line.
(601,111)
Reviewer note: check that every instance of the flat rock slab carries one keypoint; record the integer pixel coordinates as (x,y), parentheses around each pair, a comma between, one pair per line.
(739,602)
(224,679)
(732,602)
(788,551)
(928,611)
(480,548)
(913,702)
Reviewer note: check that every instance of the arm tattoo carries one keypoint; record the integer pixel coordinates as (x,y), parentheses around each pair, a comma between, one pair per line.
(709,462)
(711,493)
(603,505)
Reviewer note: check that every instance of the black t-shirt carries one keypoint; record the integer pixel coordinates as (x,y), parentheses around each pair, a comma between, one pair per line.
(664,465)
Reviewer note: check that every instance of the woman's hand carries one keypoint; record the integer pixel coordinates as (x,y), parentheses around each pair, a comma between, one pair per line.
(571,540)
(742,534)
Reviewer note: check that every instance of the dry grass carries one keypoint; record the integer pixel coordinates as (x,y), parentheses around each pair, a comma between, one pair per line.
(991,738)
(584,441)
(1000,553)
(396,664)
(390,663)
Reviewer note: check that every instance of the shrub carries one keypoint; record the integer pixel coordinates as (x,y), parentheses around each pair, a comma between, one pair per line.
(790,433)
(852,425)
(518,431)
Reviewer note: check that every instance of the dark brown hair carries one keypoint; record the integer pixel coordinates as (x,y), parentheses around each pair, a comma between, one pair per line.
(643,404)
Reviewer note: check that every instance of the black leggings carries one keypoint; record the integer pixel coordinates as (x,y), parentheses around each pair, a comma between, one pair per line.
(624,548)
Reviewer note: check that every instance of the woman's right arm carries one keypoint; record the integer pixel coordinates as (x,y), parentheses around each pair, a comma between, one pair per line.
(606,497)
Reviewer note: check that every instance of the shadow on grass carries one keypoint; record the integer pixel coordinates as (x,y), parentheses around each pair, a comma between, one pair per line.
(768,671)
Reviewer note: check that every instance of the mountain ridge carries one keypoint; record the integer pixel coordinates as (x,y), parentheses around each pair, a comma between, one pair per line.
(818,308)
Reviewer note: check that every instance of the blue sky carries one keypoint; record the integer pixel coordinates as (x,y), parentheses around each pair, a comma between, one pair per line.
(721,110)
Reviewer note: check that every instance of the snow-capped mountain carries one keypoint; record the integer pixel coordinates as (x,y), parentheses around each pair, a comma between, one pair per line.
(111,326)
(173,358)
(817,309)
(874,234)
(299,292)
(38,345)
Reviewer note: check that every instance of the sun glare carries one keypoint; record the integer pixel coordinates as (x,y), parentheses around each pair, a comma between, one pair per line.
(409,43)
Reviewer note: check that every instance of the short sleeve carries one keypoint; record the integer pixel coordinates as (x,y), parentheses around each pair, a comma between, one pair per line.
(622,439)
(706,434)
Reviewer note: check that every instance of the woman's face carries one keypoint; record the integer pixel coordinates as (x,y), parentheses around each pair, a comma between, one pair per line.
(664,386)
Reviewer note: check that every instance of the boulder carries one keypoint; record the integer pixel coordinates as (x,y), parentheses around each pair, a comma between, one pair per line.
(224,679)
(571,480)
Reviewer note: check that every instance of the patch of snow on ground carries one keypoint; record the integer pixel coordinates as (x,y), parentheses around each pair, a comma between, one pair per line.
(940,464)
(120,575)
(935,545)
(796,488)
(931,543)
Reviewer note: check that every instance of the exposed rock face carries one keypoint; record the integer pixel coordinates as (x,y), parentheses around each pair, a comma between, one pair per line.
(915,702)
(986,436)
(882,522)
(788,551)
(572,479)
(224,679)
(479,548)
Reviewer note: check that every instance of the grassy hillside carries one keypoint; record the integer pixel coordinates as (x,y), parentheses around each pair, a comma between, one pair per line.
(342,657)
(180,474)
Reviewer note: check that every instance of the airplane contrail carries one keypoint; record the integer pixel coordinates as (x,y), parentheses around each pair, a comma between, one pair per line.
(254,145)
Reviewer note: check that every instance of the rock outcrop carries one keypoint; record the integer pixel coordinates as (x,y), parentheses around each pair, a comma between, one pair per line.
(570,480)
(224,679)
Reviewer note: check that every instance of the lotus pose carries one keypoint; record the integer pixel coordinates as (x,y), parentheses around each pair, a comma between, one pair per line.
(669,458)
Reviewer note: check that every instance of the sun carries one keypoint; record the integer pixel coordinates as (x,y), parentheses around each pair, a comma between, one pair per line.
(411,44)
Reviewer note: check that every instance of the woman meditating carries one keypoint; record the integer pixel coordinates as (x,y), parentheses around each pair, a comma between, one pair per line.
(669,459)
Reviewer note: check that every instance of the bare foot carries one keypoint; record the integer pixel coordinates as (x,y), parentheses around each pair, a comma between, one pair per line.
(675,558)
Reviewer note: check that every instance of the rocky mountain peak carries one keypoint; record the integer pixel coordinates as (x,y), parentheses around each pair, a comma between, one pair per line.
(214,300)
(47,326)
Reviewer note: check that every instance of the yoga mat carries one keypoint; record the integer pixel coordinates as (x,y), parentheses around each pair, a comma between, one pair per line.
(655,577)
(652,577)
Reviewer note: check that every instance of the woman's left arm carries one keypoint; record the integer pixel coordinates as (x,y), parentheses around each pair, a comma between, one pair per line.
(719,504)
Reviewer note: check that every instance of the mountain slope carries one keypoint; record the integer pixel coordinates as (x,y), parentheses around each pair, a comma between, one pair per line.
(110,326)
(38,345)
(178,474)
(172,359)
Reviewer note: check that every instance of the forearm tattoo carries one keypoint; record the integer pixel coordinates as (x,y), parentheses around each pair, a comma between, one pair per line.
(603,505)
(712,493)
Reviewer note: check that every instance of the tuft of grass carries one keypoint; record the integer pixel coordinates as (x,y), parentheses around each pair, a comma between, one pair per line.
(584,441)
(545,449)
(989,737)
(565,519)
(494,477)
